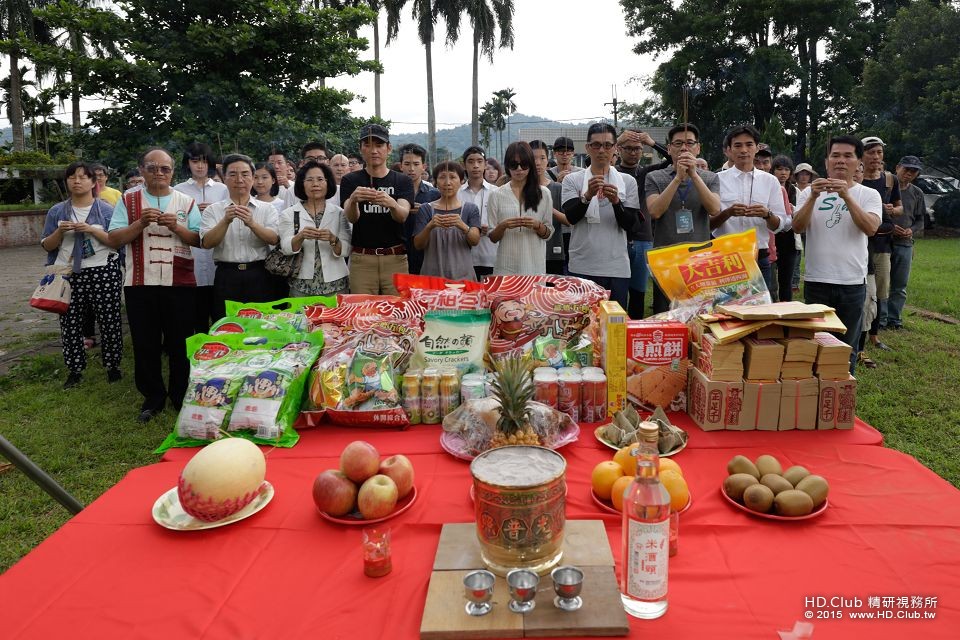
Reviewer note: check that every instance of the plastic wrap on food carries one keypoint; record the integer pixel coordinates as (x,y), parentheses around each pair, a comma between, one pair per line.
(476,422)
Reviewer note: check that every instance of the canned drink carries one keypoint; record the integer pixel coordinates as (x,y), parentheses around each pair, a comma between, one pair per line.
(544,370)
(567,370)
(592,370)
(430,397)
(449,391)
(569,394)
(593,393)
(601,396)
(411,396)
(547,388)
(472,387)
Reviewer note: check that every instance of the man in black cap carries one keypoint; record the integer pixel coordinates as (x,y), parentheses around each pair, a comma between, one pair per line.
(907,226)
(563,153)
(376,201)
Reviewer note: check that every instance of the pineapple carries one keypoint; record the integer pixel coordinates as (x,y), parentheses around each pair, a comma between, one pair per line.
(513,389)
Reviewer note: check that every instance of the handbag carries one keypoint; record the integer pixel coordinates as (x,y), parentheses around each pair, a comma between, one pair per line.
(280,264)
(52,294)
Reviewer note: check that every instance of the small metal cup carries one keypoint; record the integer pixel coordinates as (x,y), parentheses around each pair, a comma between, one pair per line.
(567,583)
(523,589)
(478,590)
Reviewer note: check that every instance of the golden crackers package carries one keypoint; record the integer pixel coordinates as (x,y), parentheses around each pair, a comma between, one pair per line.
(657,364)
(699,276)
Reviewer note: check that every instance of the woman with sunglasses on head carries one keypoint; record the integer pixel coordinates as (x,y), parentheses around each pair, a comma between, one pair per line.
(521,216)
(319,228)
(447,229)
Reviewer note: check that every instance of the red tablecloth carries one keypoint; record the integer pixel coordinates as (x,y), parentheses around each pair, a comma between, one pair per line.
(329,439)
(891,531)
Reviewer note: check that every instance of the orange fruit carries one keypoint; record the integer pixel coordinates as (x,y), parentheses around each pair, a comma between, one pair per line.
(603,477)
(677,488)
(617,490)
(668,463)
(627,458)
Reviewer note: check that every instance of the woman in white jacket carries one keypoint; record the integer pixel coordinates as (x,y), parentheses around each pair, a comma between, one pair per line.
(319,229)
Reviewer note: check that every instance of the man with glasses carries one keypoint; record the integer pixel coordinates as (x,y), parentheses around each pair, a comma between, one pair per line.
(355,161)
(377,202)
(595,203)
(681,199)
(105,192)
(749,198)
(160,225)
(240,229)
(630,144)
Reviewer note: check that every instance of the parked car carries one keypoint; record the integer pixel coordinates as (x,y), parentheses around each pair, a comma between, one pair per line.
(933,188)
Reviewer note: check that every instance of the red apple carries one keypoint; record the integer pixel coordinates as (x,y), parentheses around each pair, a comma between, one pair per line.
(400,470)
(359,460)
(377,497)
(334,493)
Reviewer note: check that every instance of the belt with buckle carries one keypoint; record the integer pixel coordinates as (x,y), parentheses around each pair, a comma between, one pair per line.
(396,250)
(240,266)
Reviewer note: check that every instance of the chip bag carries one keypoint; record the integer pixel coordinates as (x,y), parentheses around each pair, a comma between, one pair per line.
(289,310)
(699,276)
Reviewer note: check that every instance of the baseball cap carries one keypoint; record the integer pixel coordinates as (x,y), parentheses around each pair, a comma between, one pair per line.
(563,142)
(763,149)
(872,141)
(910,162)
(373,130)
(803,166)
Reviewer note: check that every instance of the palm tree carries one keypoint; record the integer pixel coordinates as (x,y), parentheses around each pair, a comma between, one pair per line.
(504,107)
(486,16)
(486,122)
(425,14)
(16,21)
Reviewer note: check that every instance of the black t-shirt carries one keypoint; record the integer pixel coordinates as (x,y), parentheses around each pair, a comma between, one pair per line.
(881,242)
(376,228)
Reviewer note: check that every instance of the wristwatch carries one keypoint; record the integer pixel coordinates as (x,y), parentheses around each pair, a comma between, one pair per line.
(584,199)
(767,215)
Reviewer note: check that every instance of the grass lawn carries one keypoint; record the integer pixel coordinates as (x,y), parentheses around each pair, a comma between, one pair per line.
(87,439)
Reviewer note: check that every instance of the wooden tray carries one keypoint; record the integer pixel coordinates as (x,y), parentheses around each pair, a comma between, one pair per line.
(585,545)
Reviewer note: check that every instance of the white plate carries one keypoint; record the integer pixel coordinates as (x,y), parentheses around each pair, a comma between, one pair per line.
(168,513)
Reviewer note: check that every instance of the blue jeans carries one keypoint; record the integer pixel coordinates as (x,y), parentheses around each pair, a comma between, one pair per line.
(763,261)
(900,261)
(848,301)
(617,286)
(639,273)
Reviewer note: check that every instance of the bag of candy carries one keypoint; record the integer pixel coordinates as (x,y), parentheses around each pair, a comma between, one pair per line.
(699,276)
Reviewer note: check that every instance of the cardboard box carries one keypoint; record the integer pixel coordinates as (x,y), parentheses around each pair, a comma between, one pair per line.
(799,403)
(613,354)
(657,364)
(838,404)
(708,401)
(762,359)
(761,406)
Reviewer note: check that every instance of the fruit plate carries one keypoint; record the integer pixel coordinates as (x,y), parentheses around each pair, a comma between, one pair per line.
(167,511)
(772,516)
(354,517)
(598,434)
(606,505)
(455,445)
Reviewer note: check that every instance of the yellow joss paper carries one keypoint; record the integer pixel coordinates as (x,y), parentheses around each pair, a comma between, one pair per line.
(699,276)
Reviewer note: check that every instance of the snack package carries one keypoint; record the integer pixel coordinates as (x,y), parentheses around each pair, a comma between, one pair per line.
(436,293)
(697,277)
(244,383)
(289,310)
(370,383)
(657,364)
(347,323)
(453,339)
(524,308)
(237,324)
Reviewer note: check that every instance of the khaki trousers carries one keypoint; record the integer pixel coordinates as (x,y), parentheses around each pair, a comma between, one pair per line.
(374,274)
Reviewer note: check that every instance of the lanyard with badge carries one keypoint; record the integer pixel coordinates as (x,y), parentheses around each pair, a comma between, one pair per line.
(684,216)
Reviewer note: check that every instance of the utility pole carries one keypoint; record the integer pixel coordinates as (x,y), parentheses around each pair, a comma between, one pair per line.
(615,104)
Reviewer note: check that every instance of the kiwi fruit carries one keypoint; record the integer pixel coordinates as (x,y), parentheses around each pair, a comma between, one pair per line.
(768,464)
(792,503)
(795,474)
(734,485)
(742,464)
(758,497)
(816,487)
(777,483)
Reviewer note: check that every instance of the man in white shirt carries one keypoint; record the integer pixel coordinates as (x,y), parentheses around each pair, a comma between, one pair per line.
(838,215)
(478,191)
(240,230)
(749,198)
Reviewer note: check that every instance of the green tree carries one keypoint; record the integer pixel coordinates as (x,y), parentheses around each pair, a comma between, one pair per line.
(502,107)
(375,6)
(911,92)
(17,25)
(241,75)
(487,122)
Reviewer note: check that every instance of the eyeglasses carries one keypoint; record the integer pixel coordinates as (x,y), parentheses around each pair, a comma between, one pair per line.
(164,169)
(354,163)
(679,144)
(315,158)
(596,146)
(518,165)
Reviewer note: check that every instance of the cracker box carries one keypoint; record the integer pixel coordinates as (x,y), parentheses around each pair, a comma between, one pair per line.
(838,404)
(799,403)
(761,406)
(613,354)
(657,364)
(762,359)
(711,403)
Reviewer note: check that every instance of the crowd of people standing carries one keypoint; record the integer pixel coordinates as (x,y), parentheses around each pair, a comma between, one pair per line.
(178,252)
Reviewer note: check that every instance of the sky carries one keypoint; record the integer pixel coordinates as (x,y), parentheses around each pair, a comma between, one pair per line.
(554,67)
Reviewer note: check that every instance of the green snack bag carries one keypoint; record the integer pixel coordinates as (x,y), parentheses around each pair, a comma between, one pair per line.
(578,352)
(549,352)
(237,324)
(453,338)
(289,310)
(371,383)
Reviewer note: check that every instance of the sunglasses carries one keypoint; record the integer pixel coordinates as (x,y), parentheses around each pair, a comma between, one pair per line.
(152,168)
(518,166)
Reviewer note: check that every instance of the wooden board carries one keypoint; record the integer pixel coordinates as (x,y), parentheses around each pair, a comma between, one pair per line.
(585,546)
